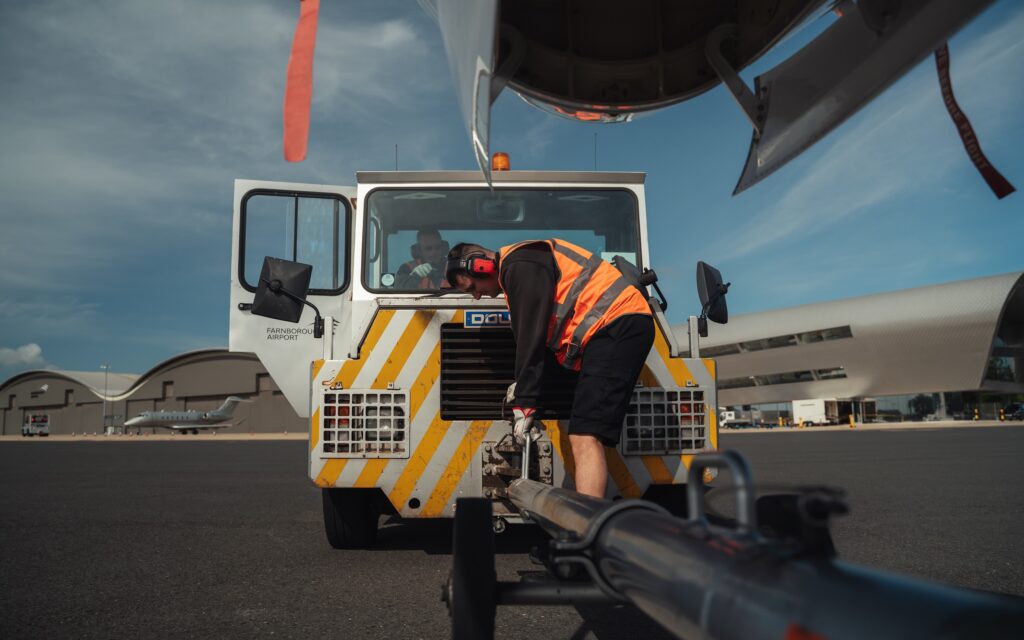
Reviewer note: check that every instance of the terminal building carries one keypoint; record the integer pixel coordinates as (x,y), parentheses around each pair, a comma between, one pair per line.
(937,352)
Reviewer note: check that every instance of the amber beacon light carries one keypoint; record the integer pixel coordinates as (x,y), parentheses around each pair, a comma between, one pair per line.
(500,161)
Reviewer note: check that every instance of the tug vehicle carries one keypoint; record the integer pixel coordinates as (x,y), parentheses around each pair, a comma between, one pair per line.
(404,387)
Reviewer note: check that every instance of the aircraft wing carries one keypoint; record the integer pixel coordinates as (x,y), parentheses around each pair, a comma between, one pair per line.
(470,32)
(597,61)
(180,427)
(805,97)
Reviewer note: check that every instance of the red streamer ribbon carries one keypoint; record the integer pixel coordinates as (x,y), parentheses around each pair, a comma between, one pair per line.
(999,185)
(298,93)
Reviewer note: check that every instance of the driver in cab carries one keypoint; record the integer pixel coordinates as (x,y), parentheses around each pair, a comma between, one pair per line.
(426,269)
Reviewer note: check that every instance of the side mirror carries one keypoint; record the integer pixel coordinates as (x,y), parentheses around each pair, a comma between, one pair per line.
(712,296)
(282,290)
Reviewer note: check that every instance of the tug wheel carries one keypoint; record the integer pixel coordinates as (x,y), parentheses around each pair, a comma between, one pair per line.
(470,592)
(350,518)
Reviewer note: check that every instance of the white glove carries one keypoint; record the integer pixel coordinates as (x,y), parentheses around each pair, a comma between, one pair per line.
(510,395)
(523,424)
(423,270)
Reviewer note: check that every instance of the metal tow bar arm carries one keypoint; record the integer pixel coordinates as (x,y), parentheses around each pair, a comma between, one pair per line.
(702,580)
(526,458)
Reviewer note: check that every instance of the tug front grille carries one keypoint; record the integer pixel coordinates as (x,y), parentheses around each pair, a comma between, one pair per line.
(478,365)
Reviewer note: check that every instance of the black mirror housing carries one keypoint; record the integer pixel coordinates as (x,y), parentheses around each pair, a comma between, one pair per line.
(712,292)
(282,289)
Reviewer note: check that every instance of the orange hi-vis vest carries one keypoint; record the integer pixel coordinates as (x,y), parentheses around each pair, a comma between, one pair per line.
(589,294)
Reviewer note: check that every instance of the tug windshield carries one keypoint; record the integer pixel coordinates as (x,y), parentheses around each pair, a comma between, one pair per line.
(407,229)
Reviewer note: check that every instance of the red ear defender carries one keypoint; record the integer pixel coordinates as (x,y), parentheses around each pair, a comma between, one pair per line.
(481,266)
(478,266)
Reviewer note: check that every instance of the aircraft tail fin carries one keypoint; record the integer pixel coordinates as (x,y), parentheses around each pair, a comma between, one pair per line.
(230,403)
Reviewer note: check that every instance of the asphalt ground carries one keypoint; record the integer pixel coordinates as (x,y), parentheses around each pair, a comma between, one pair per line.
(225,539)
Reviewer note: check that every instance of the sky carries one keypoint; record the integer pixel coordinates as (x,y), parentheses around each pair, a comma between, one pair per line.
(124,124)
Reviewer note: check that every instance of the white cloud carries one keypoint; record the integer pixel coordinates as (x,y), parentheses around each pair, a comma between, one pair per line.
(57,314)
(537,139)
(27,355)
(125,123)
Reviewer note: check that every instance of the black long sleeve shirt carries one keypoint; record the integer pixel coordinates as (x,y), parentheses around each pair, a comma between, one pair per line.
(528,276)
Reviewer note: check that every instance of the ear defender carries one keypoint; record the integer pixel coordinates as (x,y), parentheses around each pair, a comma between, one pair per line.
(478,266)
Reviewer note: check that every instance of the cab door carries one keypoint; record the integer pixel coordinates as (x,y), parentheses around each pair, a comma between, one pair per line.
(306,223)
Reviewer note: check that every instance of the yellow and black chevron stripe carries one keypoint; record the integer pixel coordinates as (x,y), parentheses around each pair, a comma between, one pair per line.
(402,347)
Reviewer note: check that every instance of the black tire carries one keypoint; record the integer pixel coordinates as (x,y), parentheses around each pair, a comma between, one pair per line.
(472,584)
(350,518)
(780,516)
(670,496)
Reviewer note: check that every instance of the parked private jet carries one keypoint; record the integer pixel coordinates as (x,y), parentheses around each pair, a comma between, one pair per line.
(188,421)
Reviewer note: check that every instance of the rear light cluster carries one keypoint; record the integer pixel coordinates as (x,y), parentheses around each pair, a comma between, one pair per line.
(664,422)
(365,425)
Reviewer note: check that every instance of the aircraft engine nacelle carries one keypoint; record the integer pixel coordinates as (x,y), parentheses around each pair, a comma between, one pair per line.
(597,60)
(604,60)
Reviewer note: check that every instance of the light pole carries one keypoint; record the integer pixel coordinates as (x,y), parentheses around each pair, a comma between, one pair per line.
(106,372)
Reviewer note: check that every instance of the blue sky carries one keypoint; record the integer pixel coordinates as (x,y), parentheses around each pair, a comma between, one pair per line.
(124,124)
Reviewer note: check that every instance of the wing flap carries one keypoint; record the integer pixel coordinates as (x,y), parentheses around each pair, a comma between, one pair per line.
(470,32)
(859,56)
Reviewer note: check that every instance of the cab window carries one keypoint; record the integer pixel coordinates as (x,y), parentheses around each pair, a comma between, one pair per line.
(409,228)
(307,228)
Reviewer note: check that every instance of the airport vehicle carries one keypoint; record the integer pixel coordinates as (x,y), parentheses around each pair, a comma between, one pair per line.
(404,387)
(192,421)
(739,418)
(36,424)
(1014,411)
(607,62)
(815,412)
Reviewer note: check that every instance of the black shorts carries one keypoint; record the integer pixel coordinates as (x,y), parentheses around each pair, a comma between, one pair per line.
(612,362)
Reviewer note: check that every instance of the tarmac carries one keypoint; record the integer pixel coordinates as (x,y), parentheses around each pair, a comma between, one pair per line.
(302,435)
(876,426)
(211,536)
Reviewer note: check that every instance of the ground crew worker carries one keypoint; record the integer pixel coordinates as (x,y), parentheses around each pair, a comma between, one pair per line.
(564,299)
(426,269)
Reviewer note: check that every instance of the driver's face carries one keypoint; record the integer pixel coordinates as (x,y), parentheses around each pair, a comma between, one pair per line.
(432,248)
(478,287)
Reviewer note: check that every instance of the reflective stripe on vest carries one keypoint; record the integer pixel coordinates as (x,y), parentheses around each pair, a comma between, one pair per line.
(586,294)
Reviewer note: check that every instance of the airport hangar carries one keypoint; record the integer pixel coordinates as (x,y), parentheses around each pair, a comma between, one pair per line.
(960,344)
(85,402)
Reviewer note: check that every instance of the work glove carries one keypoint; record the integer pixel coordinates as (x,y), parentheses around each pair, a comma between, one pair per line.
(523,424)
(522,418)
(423,270)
